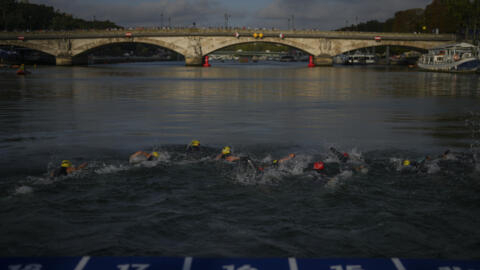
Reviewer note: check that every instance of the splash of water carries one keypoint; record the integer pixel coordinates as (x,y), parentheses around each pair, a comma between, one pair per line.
(22,190)
(473,123)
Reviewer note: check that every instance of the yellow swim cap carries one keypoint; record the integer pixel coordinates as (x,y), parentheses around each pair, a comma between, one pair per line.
(226,150)
(275,161)
(195,143)
(406,162)
(155,154)
(66,163)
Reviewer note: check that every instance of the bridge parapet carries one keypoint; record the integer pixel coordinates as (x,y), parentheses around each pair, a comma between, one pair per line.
(223,33)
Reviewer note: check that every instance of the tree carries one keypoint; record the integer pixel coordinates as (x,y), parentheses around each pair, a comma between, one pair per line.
(5,7)
(25,16)
(465,12)
(449,16)
(408,21)
(438,15)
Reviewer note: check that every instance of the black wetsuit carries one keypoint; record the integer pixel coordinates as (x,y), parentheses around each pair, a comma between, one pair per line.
(59,172)
(192,149)
(224,156)
(199,152)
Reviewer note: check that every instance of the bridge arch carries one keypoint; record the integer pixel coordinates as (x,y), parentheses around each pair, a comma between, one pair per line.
(29,45)
(361,44)
(91,45)
(234,41)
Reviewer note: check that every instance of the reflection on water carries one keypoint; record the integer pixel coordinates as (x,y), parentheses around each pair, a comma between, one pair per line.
(133,106)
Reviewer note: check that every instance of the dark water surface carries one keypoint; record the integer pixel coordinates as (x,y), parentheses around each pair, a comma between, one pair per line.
(177,207)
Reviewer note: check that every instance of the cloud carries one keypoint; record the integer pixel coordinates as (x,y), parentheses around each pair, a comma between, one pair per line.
(146,13)
(331,14)
(318,14)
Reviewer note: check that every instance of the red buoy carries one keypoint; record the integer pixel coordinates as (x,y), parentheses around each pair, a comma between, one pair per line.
(310,63)
(206,64)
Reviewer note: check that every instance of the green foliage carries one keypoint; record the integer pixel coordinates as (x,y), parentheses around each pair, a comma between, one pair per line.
(16,16)
(133,49)
(448,16)
(438,15)
(258,47)
(408,21)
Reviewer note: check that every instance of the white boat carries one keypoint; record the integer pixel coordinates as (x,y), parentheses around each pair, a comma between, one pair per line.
(359,58)
(461,57)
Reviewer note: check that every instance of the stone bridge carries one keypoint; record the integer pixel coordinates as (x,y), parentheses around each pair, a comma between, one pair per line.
(73,47)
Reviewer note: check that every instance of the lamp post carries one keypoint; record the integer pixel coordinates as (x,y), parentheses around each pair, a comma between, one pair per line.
(227,17)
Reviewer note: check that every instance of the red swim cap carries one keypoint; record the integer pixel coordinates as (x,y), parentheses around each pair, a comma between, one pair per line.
(318,166)
(345,154)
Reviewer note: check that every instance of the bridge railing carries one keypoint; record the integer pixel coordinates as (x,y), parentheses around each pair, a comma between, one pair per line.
(267,33)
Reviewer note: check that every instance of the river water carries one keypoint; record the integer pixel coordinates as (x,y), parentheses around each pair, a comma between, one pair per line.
(177,207)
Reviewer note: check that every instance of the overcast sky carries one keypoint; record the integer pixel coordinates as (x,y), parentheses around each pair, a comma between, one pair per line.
(319,14)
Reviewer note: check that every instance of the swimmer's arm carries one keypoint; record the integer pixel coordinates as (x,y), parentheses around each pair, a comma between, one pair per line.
(138,153)
(286,158)
(81,166)
(232,158)
(218,157)
(73,169)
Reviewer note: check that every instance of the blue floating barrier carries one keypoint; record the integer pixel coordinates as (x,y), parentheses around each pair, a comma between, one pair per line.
(345,264)
(134,263)
(414,264)
(189,263)
(39,263)
(238,264)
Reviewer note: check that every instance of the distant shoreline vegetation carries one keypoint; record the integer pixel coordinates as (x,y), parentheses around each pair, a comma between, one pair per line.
(21,15)
(448,16)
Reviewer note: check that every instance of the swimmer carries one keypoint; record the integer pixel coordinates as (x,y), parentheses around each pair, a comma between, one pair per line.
(141,156)
(66,167)
(407,165)
(343,157)
(447,155)
(276,162)
(420,166)
(196,151)
(323,169)
(227,155)
(193,146)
